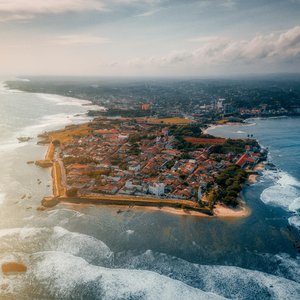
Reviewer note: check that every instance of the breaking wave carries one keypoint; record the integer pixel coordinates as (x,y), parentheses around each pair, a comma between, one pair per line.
(55,239)
(285,193)
(67,265)
(69,101)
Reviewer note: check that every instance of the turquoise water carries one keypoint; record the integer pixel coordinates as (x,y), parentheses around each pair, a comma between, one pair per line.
(75,252)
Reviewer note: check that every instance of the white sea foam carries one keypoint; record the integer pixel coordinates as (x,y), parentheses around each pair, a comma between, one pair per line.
(52,122)
(23,79)
(55,239)
(295,205)
(280,195)
(69,101)
(295,221)
(5,90)
(228,281)
(240,132)
(129,232)
(64,275)
(62,265)
(87,247)
(284,193)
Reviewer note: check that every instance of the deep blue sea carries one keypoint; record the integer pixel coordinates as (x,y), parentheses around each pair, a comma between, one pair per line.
(88,252)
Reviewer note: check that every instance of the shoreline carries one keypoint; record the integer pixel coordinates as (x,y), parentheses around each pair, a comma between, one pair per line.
(220,211)
(253,178)
(242,211)
(214,126)
(126,208)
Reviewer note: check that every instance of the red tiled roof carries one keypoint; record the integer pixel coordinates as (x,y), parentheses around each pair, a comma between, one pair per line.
(205,141)
(243,159)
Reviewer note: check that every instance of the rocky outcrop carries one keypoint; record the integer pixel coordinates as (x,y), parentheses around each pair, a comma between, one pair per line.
(50,201)
(13,267)
(24,139)
(44,163)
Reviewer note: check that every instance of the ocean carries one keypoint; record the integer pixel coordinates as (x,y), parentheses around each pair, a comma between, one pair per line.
(88,252)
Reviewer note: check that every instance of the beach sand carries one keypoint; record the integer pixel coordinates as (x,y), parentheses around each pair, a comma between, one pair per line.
(252,178)
(124,208)
(259,167)
(222,211)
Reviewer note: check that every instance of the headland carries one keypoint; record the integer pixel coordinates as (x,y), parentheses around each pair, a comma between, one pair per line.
(167,164)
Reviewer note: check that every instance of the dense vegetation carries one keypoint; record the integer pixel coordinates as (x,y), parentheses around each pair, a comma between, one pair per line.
(235,146)
(229,184)
(126,113)
(191,130)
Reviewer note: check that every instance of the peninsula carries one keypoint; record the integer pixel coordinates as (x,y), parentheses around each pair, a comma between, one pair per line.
(163,163)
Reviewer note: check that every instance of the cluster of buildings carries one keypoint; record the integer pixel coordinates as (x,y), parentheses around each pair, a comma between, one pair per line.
(132,157)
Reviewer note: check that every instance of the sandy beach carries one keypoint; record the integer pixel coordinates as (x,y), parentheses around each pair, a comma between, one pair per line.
(254,177)
(222,211)
(213,126)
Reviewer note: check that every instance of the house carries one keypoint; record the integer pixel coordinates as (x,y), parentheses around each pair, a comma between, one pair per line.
(244,160)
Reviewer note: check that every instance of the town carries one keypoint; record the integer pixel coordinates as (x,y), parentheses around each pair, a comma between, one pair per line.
(158,158)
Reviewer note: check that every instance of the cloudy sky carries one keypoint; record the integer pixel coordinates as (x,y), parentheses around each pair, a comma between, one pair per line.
(149,37)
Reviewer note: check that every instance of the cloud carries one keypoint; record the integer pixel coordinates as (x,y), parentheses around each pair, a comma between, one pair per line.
(149,13)
(80,39)
(27,9)
(16,10)
(15,17)
(12,10)
(214,50)
(49,6)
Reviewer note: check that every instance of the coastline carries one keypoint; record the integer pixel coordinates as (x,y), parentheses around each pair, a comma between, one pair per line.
(242,211)
(253,178)
(126,208)
(214,126)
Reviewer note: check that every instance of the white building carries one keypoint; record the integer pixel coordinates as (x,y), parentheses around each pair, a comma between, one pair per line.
(220,104)
(123,137)
(134,168)
(157,189)
(200,193)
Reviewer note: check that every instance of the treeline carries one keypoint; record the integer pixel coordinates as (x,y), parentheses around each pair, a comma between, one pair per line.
(130,113)
(191,130)
(235,146)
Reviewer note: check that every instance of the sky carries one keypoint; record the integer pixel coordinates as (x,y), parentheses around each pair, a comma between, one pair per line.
(149,37)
